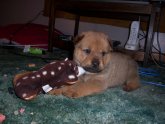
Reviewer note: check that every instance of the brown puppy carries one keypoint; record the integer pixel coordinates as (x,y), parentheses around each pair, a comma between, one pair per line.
(104,67)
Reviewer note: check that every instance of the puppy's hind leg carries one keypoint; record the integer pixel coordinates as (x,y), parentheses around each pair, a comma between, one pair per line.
(133,80)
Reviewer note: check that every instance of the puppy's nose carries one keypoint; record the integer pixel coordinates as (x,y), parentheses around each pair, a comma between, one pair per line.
(95,62)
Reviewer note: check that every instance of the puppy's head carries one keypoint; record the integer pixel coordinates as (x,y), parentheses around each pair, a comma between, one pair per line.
(92,51)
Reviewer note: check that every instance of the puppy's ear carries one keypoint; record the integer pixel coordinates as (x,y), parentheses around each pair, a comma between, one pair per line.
(110,44)
(78,38)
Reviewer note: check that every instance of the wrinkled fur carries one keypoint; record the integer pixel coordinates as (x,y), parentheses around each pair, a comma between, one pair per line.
(105,68)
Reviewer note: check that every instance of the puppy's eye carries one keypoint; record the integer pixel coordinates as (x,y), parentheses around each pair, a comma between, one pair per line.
(103,53)
(87,51)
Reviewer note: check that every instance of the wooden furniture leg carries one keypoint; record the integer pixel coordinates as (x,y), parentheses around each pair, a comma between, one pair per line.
(77,20)
(150,34)
(51,26)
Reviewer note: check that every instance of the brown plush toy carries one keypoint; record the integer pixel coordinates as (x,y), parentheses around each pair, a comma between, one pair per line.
(53,75)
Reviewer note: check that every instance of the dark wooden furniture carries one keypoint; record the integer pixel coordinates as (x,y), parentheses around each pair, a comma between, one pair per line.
(147,11)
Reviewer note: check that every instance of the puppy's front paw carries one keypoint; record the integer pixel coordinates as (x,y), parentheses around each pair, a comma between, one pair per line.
(56,92)
(71,93)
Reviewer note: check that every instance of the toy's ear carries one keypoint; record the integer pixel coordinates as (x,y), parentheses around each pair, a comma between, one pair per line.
(78,38)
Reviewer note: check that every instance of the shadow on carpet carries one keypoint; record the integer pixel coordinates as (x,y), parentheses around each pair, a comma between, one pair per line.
(114,106)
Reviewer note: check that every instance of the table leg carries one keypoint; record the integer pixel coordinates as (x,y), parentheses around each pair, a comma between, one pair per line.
(51,26)
(77,20)
(150,34)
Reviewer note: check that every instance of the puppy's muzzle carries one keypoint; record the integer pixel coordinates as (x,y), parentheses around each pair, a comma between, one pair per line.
(94,67)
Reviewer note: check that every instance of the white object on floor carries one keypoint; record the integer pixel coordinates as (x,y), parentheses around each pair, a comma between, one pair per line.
(26,49)
(133,41)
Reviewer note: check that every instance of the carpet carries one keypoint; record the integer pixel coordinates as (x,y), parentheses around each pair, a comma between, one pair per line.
(114,106)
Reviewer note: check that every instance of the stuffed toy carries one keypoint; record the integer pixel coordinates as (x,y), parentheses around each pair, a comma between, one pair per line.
(54,75)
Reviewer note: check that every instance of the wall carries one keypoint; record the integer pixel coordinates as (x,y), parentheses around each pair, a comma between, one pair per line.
(115,33)
(21,11)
